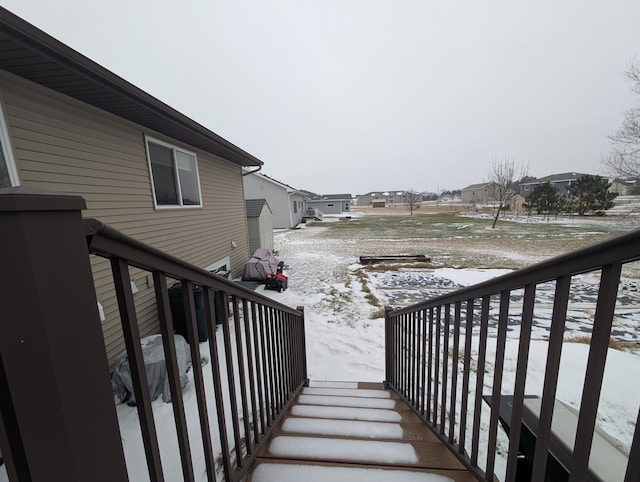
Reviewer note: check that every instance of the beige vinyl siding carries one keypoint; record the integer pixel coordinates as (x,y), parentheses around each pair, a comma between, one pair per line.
(64,145)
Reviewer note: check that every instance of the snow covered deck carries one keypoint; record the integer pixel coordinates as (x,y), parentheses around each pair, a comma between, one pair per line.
(350,431)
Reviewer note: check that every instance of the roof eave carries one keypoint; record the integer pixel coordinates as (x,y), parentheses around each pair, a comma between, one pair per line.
(136,105)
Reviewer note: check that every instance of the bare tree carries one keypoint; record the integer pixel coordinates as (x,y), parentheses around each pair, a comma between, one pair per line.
(413,200)
(624,159)
(503,184)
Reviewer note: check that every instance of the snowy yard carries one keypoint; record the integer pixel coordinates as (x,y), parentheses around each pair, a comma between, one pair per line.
(345,323)
(345,332)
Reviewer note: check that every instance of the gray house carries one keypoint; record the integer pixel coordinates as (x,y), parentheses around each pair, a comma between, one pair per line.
(331,203)
(560,181)
(259,224)
(287,204)
(68,124)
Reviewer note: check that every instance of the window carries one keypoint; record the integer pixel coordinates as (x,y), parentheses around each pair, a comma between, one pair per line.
(295,206)
(330,205)
(174,175)
(8,171)
(221,267)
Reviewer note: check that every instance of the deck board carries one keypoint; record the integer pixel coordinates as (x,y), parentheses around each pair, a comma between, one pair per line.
(328,431)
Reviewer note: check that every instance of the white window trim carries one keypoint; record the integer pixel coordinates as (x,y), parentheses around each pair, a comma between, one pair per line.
(219,264)
(148,139)
(7,147)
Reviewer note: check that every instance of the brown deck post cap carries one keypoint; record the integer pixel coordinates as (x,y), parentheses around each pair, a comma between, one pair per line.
(26,198)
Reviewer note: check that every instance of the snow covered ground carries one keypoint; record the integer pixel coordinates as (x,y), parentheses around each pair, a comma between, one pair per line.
(345,333)
(345,337)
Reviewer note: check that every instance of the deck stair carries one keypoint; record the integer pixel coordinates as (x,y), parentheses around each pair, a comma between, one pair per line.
(350,431)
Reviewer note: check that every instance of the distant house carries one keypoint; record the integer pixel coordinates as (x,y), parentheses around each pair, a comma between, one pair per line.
(331,203)
(626,186)
(476,193)
(67,124)
(259,224)
(287,204)
(560,181)
(382,198)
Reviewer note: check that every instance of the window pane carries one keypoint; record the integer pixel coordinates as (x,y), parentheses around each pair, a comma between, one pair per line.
(188,178)
(164,179)
(5,181)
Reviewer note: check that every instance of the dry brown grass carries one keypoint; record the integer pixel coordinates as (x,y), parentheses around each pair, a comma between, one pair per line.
(586,339)
(428,207)
(379,313)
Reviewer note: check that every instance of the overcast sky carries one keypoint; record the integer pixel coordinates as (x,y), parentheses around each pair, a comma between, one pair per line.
(340,96)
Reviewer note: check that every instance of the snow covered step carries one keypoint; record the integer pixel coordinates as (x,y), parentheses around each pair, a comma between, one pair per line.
(424,454)
(328,384)
(407,428)
(312,448)
(346,413)
(347,401)
(350,433)
(347,392)
(343,428)
(267,472)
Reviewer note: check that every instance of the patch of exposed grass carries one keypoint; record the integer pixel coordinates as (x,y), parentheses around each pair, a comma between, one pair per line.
(586,339)
(382,267)
(379,313)
(457,241)
(371,298)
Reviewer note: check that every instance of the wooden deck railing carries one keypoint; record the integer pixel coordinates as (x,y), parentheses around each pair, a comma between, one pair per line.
(429,358)
(58,419)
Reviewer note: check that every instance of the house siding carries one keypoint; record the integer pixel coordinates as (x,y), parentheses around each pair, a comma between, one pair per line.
(475,194)
(336,206)
(276,196)
(297,213)
(65,145)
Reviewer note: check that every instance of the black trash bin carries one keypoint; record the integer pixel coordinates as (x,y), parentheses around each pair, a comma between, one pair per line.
(178,312)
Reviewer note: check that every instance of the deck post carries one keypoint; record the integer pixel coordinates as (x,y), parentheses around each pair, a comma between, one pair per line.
(304,347)
(58,418)
(388,348)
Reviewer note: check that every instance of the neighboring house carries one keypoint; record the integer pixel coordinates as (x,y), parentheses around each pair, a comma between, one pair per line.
(331,203)
(626,186)
(287,204)
(560,181)
(259,224)
(382,198)
(476,193)
(67,124)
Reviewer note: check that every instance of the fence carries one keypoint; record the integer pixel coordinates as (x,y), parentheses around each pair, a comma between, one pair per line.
(429,360)
(58,419)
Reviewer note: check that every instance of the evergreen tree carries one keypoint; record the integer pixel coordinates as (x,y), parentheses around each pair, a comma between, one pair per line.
(590,193)
(544,199)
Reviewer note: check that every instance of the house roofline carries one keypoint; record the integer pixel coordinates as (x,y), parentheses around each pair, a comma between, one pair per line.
(289,189)
(56,66)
